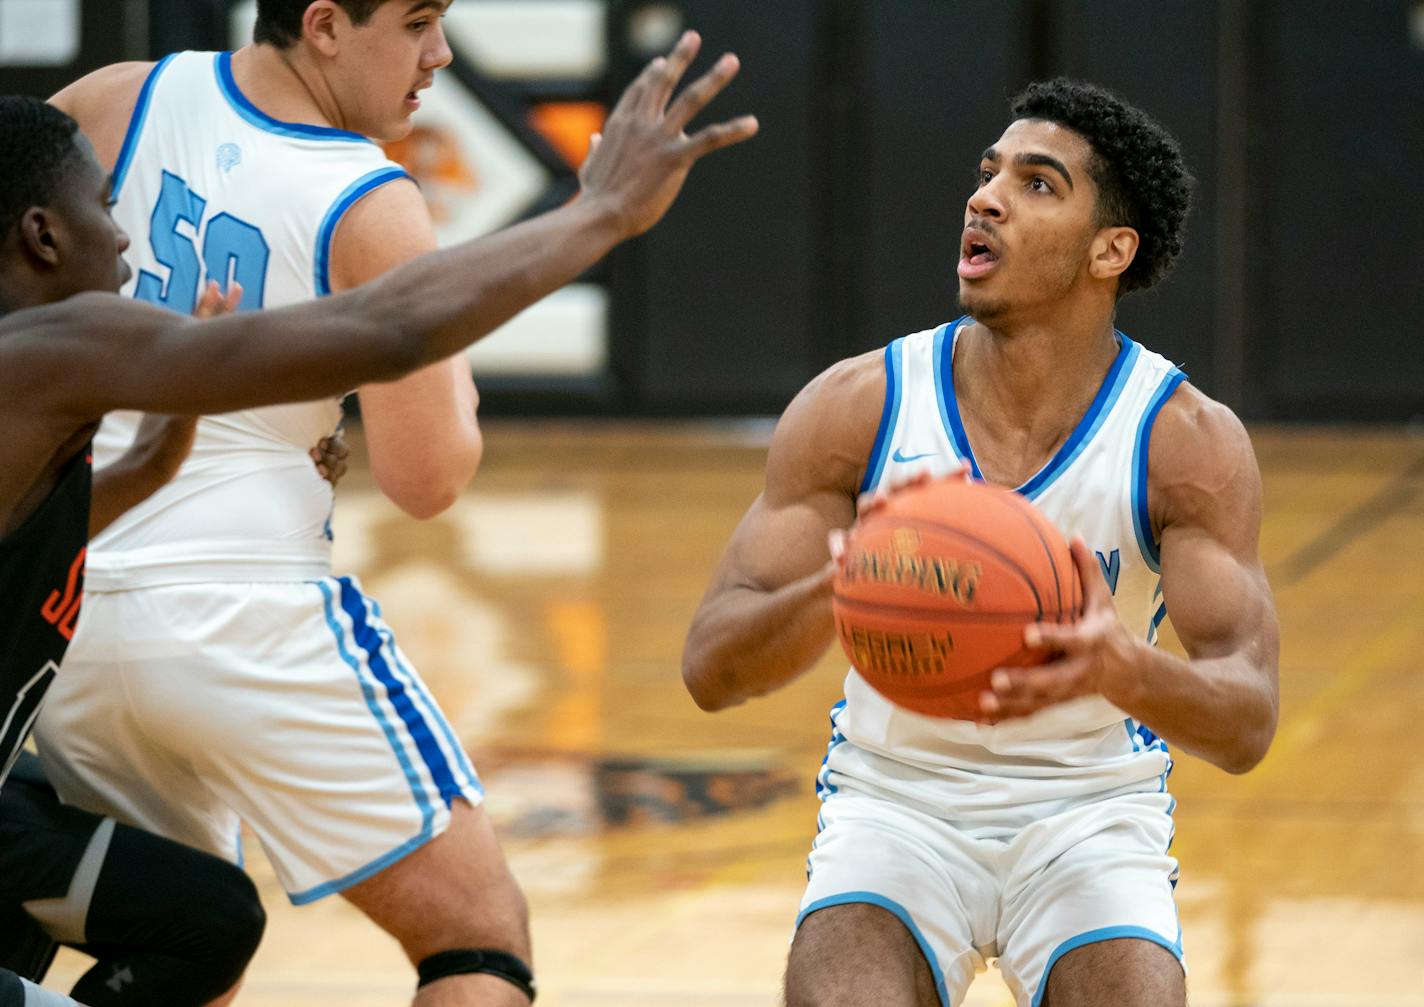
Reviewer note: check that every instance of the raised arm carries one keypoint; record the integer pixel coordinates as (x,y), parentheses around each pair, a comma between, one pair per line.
(98,352)
(1220,703)
(766,617)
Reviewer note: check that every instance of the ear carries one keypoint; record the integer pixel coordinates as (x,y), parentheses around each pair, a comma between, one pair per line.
(38,237)
(320,24)
(1112,252)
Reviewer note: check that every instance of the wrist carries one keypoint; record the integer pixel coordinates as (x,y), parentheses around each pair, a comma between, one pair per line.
(605,216)
(1125,683)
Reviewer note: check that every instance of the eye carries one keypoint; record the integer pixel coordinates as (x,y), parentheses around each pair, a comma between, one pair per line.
(1040,184)
(984,177)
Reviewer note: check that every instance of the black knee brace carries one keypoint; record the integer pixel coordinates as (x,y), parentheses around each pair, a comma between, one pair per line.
(464,961)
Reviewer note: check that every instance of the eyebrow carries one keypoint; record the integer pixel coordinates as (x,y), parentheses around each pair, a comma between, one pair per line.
(435,5)
(1036,160)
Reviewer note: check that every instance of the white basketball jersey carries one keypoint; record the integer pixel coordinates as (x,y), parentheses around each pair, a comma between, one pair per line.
(1094,487)
(207,185)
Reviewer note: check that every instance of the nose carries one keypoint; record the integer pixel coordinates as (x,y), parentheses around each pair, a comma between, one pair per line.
(987,201)
(438,56)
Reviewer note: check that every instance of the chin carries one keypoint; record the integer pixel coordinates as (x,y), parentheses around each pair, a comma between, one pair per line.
(392,131)
(981,307)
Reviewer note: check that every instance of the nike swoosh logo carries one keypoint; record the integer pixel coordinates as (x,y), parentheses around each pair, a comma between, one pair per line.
(899,456)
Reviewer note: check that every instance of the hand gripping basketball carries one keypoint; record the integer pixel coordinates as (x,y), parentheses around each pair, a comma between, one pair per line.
(935,588)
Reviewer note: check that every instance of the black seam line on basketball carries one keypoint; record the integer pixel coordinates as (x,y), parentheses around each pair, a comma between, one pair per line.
(937,614)
(1391,499)
(1048,551)
(974,538)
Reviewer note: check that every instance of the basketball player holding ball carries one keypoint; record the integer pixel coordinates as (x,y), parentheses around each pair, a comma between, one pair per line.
(1036,832)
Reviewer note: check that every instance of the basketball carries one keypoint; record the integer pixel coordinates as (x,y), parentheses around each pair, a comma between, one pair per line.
(937,586)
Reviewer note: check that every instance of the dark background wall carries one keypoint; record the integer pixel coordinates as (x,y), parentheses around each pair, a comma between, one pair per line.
(1299,295)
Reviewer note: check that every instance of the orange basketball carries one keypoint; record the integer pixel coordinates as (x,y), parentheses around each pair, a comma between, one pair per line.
(937,586)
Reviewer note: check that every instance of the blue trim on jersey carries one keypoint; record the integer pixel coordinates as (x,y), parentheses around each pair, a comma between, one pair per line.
(361,873)
(369,640)
(1097,936)
(324,235)
(894,365)
(256,117)
(900,913)
(944,393)
(1141,518)
(1092,420)
(1108,394)
(136,121)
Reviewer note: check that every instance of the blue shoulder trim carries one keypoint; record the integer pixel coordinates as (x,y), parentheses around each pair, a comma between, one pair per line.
(944,391)
(136,121)
(256,117)
(1141,518)
(1108,394)
(894,364)
(327,232)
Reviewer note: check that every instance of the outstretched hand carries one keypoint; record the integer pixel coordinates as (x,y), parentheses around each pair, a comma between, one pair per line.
(641,159)
(1092,655)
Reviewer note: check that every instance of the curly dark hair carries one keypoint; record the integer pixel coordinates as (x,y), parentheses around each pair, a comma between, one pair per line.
(279,22)
(36,150)
(1137,166)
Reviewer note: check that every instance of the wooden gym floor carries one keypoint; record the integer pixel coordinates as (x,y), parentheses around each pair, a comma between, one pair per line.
(663,849)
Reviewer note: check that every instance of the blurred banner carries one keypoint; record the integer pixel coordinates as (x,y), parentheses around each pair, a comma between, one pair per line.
(836,230)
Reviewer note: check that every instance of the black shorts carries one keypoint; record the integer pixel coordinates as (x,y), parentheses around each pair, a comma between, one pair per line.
(41,844)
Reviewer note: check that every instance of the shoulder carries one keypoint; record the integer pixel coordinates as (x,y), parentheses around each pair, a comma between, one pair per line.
(111,83)
(384,228)
(828,430)
(102,103)
(1201,464)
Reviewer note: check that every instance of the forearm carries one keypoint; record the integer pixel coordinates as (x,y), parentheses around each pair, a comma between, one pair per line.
(118,487)
(447,300)
(1221,709)
(746,643)
(423,436)
(424,312)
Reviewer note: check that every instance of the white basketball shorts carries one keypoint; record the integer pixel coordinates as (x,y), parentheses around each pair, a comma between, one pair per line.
(1028,896)
(188,709)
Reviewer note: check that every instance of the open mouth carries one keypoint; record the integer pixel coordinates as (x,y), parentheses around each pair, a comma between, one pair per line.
(412,96)
(977,255)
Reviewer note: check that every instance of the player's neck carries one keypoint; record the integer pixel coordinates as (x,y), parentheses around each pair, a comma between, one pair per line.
(286,85)
(1033,377)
